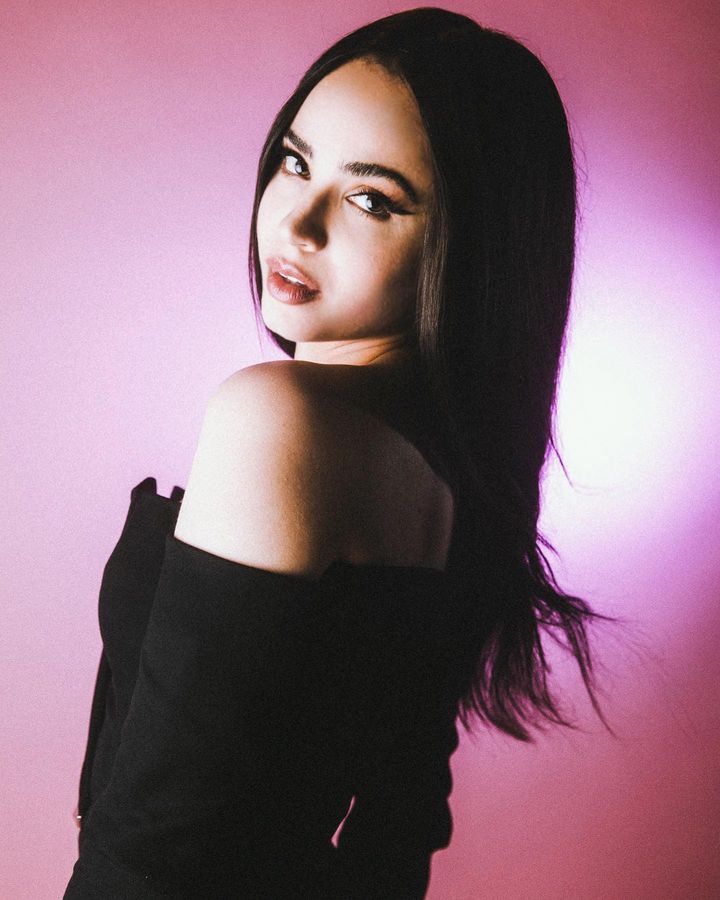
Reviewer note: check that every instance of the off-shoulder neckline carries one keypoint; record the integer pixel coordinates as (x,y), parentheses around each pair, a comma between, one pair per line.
(148,488)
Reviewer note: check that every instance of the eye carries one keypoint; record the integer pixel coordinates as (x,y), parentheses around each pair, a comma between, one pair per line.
(386,206)
(292,155)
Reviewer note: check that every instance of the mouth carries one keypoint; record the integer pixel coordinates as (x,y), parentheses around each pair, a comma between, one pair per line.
(292,280)
(291,273)
(289,290)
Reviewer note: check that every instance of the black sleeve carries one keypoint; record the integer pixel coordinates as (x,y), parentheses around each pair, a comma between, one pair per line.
(401,813)
(221,649)
(97,714)
(195,781)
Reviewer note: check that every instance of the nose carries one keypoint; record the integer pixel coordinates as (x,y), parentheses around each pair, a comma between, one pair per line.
(304,225)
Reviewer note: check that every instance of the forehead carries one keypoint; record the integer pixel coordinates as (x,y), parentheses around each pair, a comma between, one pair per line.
(361,112)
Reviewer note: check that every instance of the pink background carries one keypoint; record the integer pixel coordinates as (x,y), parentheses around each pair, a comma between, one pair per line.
(128,149)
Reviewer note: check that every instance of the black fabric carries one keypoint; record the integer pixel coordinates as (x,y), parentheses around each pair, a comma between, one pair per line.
(239,712)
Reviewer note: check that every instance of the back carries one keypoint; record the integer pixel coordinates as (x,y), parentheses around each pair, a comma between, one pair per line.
(405,510)
(292,474)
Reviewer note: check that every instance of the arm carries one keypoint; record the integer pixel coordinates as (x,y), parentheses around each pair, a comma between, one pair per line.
(97,714)
(225,629)
(401,814)
(187,796)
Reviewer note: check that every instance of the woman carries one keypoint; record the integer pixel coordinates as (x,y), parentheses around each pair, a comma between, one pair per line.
(355,558)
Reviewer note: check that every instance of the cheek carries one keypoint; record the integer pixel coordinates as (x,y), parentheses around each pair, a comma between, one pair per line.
(385,258)
(382,281)
(269,209)
(263,217)
(399,271)
(402,286)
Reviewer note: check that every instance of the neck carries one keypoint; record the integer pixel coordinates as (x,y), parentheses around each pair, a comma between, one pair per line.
(389,350)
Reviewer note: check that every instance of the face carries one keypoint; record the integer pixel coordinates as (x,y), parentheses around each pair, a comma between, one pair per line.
(356,235)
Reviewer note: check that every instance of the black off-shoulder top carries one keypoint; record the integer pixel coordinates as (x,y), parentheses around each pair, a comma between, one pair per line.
(238,714)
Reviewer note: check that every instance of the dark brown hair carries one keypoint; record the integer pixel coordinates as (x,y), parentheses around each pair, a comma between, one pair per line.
(495,285)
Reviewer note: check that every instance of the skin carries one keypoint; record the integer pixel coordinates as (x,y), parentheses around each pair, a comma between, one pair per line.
(311,213)
(269,483)
(353,331)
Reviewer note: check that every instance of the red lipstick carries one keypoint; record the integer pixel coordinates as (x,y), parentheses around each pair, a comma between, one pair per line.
(289,283)
(288,292)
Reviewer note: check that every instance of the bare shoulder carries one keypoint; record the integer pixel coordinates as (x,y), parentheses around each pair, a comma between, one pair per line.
(395,509)
(299,405)
(268,486)
(261,377)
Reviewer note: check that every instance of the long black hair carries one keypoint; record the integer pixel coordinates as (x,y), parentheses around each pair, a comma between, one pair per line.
(494,291)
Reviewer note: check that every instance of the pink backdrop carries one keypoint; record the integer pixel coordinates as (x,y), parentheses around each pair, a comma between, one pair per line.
(129,142)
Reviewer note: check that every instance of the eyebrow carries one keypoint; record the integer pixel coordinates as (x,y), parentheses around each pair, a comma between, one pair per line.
(360,169)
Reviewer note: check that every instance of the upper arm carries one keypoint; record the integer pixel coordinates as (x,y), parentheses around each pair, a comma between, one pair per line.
(267,486)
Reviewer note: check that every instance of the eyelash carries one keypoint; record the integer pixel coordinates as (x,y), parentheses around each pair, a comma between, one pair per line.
(390,206)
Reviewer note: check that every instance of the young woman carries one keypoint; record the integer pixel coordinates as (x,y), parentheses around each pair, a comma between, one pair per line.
(355,560)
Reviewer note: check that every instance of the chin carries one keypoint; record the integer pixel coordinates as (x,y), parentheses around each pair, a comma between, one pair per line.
(279,324)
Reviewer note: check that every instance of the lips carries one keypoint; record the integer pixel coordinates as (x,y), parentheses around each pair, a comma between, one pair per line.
(290,271)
